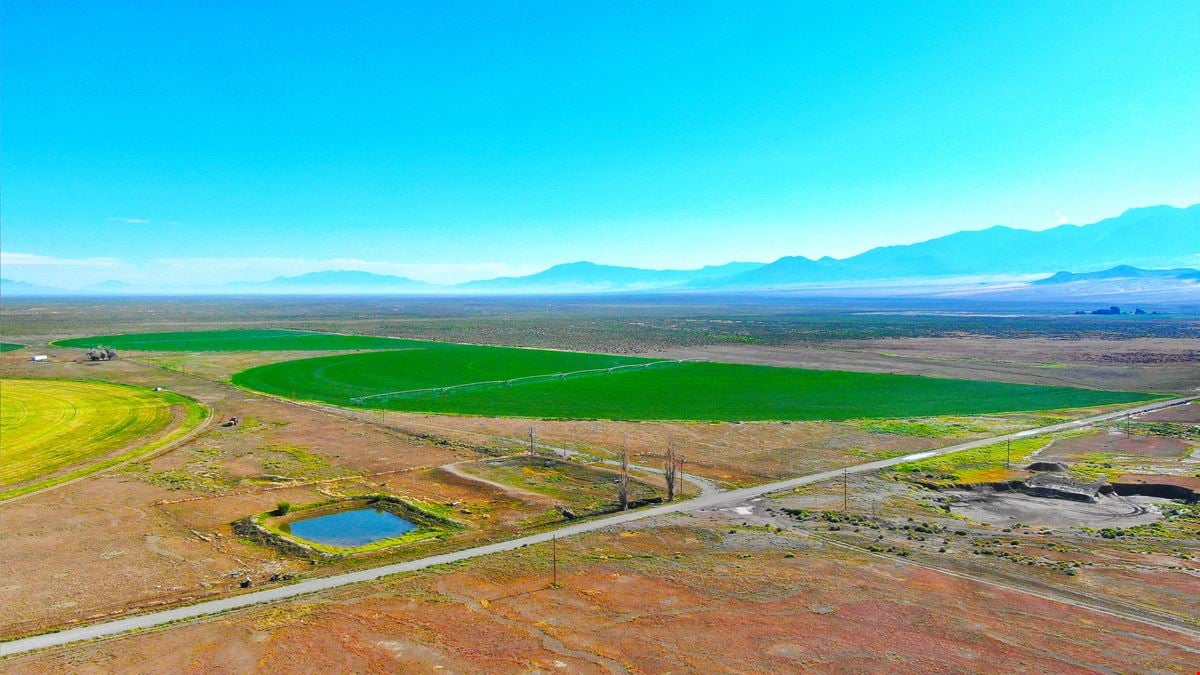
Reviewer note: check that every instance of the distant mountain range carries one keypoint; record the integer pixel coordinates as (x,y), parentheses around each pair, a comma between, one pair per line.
(1119,272)
(10,287)
(588,277)
(1158,245)
(1156,236)
(332,282)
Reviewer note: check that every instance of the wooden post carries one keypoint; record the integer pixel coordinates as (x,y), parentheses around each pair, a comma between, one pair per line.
(845,490)
(554,559)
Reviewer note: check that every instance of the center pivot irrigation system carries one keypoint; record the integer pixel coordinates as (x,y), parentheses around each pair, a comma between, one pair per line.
(439,391)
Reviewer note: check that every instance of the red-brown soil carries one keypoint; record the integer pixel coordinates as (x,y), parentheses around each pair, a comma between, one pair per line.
(1190,482)
(736,453)
(665,598)
(1116,443)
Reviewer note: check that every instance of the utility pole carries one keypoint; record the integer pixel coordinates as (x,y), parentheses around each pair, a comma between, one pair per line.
(623,483)
(679,476)
(670,466)
(554,559)
(531,441)
(845,490)
(1008,453)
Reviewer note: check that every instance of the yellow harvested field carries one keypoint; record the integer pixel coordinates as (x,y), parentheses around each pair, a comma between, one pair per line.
(48,426)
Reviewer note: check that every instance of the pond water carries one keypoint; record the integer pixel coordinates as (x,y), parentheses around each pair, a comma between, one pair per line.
(348,529)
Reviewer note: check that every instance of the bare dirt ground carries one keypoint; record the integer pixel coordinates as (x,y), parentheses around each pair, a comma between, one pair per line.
(1190,482)
(219,365)
(1189,412)
(684,594)
(1115,442)
(1006,508)
(1137,364)
(732,453)
(1033,542)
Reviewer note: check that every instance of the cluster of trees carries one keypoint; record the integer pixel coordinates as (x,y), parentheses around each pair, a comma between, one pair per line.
(672,475)
(101,354)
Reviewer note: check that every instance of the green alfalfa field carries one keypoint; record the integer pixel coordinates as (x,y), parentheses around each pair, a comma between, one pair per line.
(441,377)
(512,382)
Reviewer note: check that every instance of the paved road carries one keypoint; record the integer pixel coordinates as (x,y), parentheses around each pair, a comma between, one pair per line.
(155,619)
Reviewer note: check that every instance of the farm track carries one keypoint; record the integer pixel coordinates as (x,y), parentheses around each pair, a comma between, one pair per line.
(158,619)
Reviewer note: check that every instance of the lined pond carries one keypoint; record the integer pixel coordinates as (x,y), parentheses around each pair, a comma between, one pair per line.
(349,529)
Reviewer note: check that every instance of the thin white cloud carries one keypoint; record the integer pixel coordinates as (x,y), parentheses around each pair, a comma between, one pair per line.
(14,258)
(135,221)
(208,272)
(1061,218)
(221,270)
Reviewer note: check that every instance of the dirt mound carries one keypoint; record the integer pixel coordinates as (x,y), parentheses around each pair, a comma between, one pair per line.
(1056,467)
(1061,487)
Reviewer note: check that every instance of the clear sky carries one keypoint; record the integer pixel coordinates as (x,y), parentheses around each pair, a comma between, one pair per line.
(222,140)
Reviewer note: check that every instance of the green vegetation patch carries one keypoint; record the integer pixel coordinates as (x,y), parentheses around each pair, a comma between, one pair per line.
(1095,466)
(1185,430)
(10,347)
(1179,521)
(432,521)
(924,428)
(251,340)
(294,462)
(512,382)
(984,464)
(52,425)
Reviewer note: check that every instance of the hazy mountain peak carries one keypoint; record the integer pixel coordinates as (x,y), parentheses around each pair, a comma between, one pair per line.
(1120,272)
(1155,237)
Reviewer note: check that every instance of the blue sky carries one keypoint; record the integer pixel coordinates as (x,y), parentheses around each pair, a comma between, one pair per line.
(221,140)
